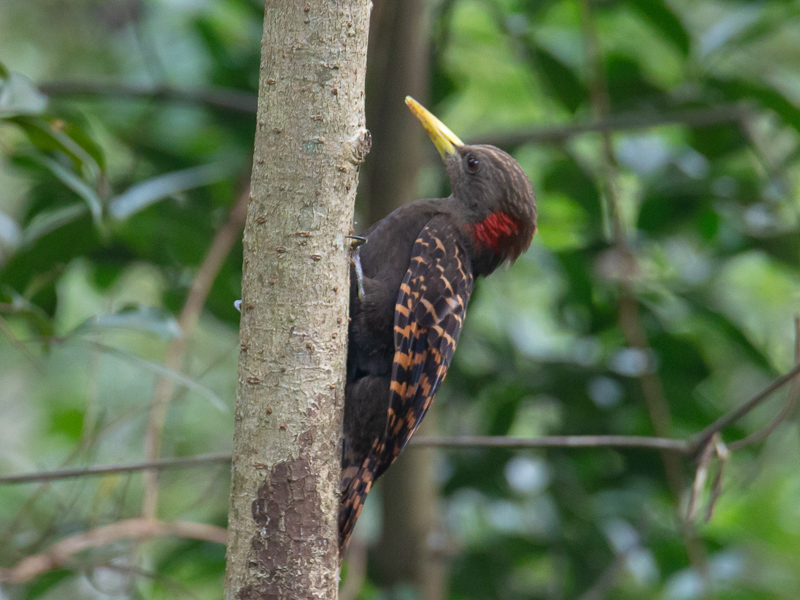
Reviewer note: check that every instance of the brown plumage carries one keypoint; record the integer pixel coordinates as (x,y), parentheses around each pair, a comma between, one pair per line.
(409,302)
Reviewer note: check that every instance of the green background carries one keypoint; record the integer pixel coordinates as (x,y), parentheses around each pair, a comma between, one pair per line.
(109,205)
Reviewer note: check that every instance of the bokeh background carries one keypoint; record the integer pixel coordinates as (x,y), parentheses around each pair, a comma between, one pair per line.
(662,138)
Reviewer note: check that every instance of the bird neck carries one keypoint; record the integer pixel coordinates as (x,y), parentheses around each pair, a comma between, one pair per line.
(497,232)
(497,238)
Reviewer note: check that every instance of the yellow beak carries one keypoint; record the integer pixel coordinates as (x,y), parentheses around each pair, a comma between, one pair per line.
(444,139)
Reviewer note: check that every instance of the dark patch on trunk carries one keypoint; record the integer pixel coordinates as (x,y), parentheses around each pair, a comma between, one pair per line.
(288,515)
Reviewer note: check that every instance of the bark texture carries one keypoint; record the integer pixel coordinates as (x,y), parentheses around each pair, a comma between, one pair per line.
(310,139)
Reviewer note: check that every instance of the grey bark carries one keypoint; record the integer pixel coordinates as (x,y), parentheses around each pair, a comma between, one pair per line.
(310,138)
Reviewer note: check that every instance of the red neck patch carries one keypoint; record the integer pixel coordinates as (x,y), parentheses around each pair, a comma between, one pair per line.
(496,232)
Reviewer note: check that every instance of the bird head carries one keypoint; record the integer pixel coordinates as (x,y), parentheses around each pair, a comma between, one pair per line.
(494,193)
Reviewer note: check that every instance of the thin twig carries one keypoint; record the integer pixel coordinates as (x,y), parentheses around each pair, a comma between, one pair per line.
(556,134)
(245,102)
(723,454)
(700,439)
(632,329)
(217,253)
(675,446)
(220,98)
(700,477)
(791,401)
(60,554)
(155,465)
(83,444)
(556,441)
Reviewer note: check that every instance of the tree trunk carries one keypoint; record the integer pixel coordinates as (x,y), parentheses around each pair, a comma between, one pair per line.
(398,56)
(411,549)
(310,138)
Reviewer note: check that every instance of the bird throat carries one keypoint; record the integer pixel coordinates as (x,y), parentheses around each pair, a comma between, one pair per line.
(497,232)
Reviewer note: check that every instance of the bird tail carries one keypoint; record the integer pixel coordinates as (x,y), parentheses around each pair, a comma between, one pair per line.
(359,472)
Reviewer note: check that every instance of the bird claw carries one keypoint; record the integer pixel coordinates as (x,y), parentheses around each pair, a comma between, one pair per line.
(356,240)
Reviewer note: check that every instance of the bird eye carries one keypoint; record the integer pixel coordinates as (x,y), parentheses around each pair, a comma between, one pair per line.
(473,164)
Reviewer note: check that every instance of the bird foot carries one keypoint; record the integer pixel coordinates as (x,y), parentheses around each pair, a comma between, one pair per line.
(356,240)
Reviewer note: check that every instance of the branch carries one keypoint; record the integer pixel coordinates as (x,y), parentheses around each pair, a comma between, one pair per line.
(60,554)
(245,102)
(697,117)
(556,441)
(688,447)
(219,98)
(710,447)
(628,314)
(700,477)
(791,401)
(702,438)
(153,465)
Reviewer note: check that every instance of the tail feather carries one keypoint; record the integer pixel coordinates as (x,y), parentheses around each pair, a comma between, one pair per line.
(358,474)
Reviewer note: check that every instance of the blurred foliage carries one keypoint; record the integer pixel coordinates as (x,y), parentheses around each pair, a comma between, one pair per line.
(107,208)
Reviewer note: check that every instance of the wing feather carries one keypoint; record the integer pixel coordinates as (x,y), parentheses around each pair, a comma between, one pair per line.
(429,313)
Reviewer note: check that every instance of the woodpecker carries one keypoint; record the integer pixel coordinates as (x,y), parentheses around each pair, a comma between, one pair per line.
(411,281)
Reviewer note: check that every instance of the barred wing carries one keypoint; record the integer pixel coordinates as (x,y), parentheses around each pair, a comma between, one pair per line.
(429,313)
(428,317)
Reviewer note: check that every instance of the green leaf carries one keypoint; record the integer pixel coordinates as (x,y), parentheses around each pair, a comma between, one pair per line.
(68,422)
(768,97)
(728,328)
(568,177)
(661,16)
(36,318)
(142,195)
(144,319)
(48,221)
(86,142)
(784,247)
(629,87)
(10,234)
(559,77)
(74,182)
(672,200)
(752,23)
(718,141)
(18,96)
(55,135)
(159,369)
(45,583)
